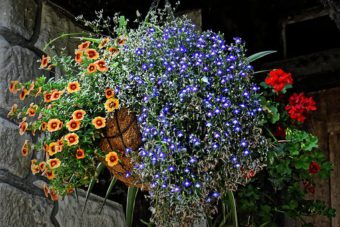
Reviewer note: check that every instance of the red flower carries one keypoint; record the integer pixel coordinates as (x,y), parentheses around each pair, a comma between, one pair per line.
(299,105)
(314,167)
(278,79)
(280,132)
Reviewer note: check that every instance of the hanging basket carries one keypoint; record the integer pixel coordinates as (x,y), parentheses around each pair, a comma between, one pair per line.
(122,132)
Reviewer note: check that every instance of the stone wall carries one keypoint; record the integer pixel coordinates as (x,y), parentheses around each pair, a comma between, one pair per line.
(25,27)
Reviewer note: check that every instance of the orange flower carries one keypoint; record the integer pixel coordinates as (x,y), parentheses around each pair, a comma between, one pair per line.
(46,148)
(53,163)
(73,125)
(46,190)
(56,95)
(54,195)
(92,68)
(84,45)
(25,149)
(92,54)
(34,161)
(31,88)
(38,91)
(35,168)
(54,125)
(13,86)
(23,94)
(114,51)
(42,166)
(73,87)
(22,127)
(80,154)
(53,148)
(78,115)
(31,111)
(99,122)
(111,104)
(50,174)
(69,190)
(61,142)
(78,56)
(13,110)
(47,97)
(104,42)
(43,126)
(109,93)
(45,60)
(121,40)
(72,139)
(111,159)
(101,65)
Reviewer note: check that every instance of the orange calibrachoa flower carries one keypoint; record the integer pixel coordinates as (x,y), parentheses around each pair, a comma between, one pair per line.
(54,195)
(121,40)
(114,51)
(92,68)
(23,94)
(112,159)
(53,148)
(104,42)
(80,154)
(38,92)
(73,87)
(99,122)
(47,97)
(73,125)
(13,110)
(69,190)
(35,168)
(13,86)
(50,174)
(22,127)
(72,139)
(46,148)
(31,88)
(84,45)
(101,65)
(60,143)
(78,56)
(56,95)
(45,60)
(109,93)
(42,166)
(31,111)
(25,149)
(78,115)
(46,190)
(54,125)
(43,126)
(53,163)
(111,104)
(92,54)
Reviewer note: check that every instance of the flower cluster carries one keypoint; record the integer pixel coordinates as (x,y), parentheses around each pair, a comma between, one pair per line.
(70,113)
(278,80)
(299,105)
(198,113)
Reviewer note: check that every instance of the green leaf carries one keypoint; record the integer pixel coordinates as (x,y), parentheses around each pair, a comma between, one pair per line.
(94,40)
(99,169)
(130,205)
(259,55)
(232,207)
(109,189)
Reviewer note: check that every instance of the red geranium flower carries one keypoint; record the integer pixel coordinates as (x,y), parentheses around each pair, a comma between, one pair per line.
(314,167)
(299,105)
(278,79)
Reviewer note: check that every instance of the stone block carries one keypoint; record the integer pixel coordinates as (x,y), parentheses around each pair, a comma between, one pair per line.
(18,16)
(10,149)
(19,208)
(70,212)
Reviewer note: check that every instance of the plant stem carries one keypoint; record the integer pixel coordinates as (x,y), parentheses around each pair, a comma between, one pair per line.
(62,36)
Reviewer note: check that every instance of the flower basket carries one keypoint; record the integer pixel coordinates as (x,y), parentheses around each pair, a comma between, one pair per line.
(122,132)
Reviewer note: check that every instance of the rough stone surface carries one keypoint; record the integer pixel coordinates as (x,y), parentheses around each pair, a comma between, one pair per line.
(10,150)
(18,16)
(19,208)
(53,24)
(16,63)
(69,213)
